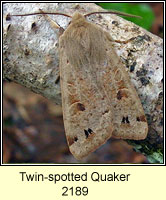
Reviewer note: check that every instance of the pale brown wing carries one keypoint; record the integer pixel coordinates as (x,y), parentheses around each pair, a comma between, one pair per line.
(97,94)
(86,110)
(128,115)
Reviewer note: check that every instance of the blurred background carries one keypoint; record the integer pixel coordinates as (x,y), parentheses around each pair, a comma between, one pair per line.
(33,129)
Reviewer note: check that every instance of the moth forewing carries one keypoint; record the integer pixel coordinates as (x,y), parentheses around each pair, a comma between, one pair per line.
(94,73)
(129,118)
(86,107)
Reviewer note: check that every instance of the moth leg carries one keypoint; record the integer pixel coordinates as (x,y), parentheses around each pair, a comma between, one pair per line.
(54,25)
(124,42)
(118,41)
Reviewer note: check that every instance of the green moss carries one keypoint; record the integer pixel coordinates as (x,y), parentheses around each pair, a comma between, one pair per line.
(155,157)
(152,153)
(140,9)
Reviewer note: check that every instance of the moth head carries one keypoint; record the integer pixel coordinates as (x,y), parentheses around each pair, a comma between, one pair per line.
(77,17)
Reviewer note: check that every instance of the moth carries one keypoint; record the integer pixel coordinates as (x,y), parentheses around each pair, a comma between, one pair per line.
(98,98)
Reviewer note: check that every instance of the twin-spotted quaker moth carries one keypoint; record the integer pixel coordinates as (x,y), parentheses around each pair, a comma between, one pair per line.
(98,99)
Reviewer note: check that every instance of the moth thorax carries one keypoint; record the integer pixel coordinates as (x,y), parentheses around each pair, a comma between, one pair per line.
(78,17)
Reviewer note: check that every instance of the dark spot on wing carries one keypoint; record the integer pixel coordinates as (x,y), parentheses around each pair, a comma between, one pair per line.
(80,107)
(121,94)
(138,119)
(88,132)
(75,139)
(106,111)
(142,118)
(125,120)
(71,140)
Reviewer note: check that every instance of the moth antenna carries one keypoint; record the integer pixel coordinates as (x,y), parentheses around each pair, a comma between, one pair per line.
(43,13)
(113,12)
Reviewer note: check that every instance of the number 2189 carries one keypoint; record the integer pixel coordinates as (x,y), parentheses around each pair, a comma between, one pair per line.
(78,191)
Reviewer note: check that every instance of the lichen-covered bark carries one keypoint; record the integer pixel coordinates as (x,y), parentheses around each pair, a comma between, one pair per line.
(30,58)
